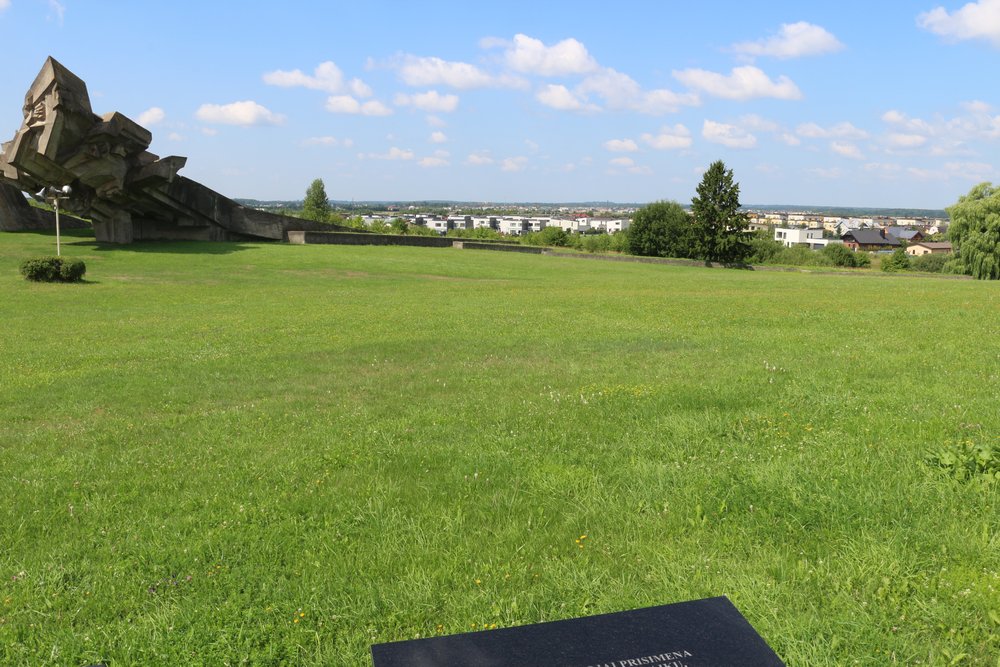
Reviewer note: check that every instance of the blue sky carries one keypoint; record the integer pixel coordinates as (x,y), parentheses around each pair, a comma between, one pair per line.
(889,104)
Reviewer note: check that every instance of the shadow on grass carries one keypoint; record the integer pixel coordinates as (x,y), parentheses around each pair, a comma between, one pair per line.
(171,247)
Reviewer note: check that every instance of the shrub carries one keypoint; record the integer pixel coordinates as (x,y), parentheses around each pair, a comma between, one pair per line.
(931,263)
(53,269)
(897,261)
(840,255)
(763,248)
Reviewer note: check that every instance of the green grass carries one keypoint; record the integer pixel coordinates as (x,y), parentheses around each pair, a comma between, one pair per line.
(272,454)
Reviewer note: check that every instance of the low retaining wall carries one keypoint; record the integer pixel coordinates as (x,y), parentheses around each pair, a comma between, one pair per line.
(301,237)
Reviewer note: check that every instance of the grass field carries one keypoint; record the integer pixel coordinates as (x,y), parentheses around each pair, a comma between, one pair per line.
(270,454)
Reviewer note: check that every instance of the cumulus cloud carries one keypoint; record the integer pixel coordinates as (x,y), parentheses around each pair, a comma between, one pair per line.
(828,173)
(438,138)
(432,100)
(432,71)
(621,92)
(245,113)
(531,56)
(175,136)
(790,139)
(4,4)
(439,159)
(621,146)
(435,121)
(328,141)
(793,40)
(393,154)
(622,161)
(903,121)
(349,105)
(558,96)
(846,149)
(480,158)
(152,116)
(514,163)
(669,138)
(730,136)
(975,20)
(327,77)
(902,140)
(743,83)
(842,130)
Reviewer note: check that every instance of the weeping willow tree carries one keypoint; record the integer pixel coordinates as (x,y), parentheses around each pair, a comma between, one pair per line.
(975,231)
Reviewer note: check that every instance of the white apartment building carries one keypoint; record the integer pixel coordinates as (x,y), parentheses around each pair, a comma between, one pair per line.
(811,237)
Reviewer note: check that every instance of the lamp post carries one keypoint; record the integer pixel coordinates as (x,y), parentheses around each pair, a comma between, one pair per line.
(56,195)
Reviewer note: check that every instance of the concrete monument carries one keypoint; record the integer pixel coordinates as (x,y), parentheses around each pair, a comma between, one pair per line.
(129,193)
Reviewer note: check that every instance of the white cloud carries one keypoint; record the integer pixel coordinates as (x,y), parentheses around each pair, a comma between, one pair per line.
(900,140)
(727,135)
(432,100)
(621,146)
(479,158)
(58,9)
(758,124)
(152,116)
(845,149)
(328,141)
(905,122)
(975,20)
(4,4)
(558,96)
(977,106)
(971,171)
(327,77)
(640,169)
(438,138)
(622,162)
(743,83)
(514,163)
(531,56)
(436,161)
(431,71)
(175,136)
(793,40)
(244,113)
(621,92)
(209,131)
(393,154)
(790,139)
(349,105)
(842,130)
(669,138)
(435,121)
(823,172)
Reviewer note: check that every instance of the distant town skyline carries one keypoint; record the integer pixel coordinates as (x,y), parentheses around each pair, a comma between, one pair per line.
(853,104)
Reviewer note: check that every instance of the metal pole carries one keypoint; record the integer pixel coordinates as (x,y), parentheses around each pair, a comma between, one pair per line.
(58,245)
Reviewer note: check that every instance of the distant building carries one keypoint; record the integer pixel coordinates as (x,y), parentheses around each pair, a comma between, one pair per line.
(811,237)
(873,240)
(928,248)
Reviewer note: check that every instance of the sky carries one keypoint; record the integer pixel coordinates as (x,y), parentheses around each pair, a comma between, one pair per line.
(872,104)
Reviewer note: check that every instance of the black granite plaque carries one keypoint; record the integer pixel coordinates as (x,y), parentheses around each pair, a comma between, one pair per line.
(700,633)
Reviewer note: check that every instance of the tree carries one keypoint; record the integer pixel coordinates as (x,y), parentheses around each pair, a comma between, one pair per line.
(720,227)
(975,231)
(661,229)
(316,205)
(897,261)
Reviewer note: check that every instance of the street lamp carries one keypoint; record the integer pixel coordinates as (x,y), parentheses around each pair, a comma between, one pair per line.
(55,195)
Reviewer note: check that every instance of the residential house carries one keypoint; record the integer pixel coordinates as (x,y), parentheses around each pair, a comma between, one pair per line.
(873,240)
(928,248)
(812,237)
(905,234)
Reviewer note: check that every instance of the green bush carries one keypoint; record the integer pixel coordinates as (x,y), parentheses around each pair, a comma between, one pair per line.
(841,255)
(931,263)
(897,261)
(53,269)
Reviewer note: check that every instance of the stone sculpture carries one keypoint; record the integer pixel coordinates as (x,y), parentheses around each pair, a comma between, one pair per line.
(129,193)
